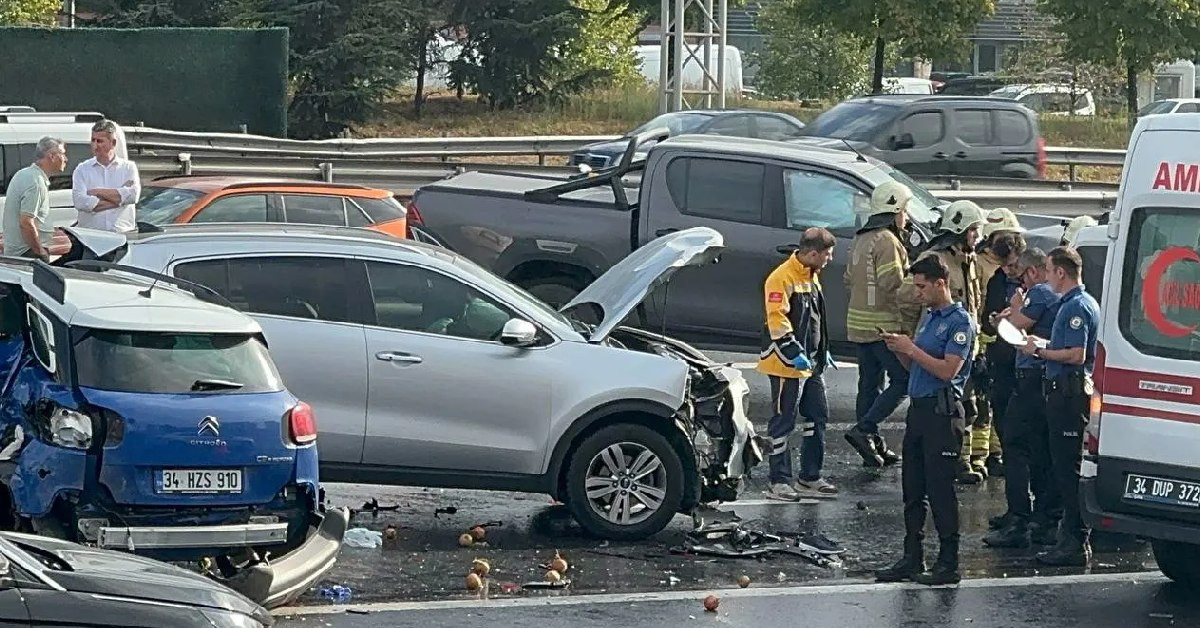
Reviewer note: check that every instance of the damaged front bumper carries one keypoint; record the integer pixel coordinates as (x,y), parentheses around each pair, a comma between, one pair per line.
(713,415)
(278,582)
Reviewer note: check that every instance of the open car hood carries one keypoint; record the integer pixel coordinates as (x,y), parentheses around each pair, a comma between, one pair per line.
(614,294)
(94,244)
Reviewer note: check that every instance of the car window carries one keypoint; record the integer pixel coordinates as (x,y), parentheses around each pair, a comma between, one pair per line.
(1161,253)
(237,208)
(299,287)
(380,209)
(41,334)
(974,126)
(314,210)
(1033,101)
(738,126)
(772,128)
(1188,107)
(717,188)
(927,128)
(853,120)
(355,216)
(1011,128)
(175,363)
(412,298)
(813,199)
(164,205)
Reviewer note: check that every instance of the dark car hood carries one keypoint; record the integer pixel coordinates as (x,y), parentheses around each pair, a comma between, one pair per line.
(613,148)
(108,572)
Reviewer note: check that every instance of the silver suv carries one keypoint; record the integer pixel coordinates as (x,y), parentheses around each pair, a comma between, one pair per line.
(425,369)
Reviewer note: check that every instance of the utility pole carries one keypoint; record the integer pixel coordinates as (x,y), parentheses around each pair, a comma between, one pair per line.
(69,13)
(682,48)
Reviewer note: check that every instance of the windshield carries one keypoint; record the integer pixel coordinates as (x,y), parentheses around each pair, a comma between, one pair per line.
(677,123)
(161,206)
(1161,106)
(858,121)
(158,362)
(1011,91)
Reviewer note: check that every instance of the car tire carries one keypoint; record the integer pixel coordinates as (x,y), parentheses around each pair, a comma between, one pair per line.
(658,476)
(1178,561)
(554,292)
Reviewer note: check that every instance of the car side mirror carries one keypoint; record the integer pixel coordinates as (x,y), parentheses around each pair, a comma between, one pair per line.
(518,333)
(902,142)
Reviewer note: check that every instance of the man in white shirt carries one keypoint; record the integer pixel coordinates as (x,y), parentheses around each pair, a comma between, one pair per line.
(106,187)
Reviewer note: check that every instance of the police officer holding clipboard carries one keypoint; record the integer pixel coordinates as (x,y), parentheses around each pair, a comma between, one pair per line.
(1069,357)
(938,359)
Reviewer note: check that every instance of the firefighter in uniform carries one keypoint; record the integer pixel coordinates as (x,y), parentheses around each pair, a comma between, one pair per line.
(874,278)
(939,363)
(1002,243)
(1069,357)
(955,246)
(795,353)
(1031,309)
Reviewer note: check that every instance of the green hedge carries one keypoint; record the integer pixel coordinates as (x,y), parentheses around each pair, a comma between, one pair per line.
(190,79)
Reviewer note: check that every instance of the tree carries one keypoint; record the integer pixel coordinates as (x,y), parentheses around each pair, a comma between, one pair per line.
(346,57)
(925,28)
(160,13)
(1137,35)
(28,12)
(516,51)
(604,46)
(802,62)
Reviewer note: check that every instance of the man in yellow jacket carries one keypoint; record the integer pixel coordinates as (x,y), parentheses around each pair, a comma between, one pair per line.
(794,354)
(874,277)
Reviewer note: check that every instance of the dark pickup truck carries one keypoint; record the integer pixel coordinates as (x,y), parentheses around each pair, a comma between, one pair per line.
(553,236)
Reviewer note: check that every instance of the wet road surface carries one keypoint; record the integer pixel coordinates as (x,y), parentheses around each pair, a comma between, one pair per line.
(427,564)
(1125,601)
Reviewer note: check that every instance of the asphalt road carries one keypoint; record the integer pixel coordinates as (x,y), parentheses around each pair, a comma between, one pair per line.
(1112,601)
(426,564)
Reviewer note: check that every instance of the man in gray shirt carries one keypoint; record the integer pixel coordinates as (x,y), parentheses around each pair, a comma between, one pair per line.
(27,228)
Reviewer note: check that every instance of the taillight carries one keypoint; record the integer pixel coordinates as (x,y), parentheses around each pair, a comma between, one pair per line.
(1091,437)
(414,217)
(1041,157)
(302,424)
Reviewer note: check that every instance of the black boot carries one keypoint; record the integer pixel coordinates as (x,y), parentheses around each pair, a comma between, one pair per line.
(945,570)
(1070,552)
(1043,532)
(967,474)
(999,522)
(861,442)
(995,466)
(881,447)
(1014,535)
(908,567)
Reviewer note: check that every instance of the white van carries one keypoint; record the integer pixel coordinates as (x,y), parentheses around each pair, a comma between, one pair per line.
(1141,468)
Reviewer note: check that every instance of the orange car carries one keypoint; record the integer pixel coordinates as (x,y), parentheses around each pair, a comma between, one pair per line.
(197,199)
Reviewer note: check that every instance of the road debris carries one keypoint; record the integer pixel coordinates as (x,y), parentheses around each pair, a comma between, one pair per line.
(559,564)
(362,538)
(481,566)
(474,582)
(336,593)
(732,540)
(466,540)
(744,581)
(448,510)
(391,538)
(711,603)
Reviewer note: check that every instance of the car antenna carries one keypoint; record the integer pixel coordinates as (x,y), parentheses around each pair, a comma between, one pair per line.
(851,147)
(146,293)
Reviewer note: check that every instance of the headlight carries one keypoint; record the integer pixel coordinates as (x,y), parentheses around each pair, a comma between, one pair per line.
(70,428)
(227,619)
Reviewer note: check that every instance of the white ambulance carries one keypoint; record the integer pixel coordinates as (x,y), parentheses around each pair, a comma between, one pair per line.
(1141,468)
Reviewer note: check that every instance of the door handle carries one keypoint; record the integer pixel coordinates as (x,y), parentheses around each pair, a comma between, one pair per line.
(962,154)
(398,356)
(662,232)
(940,155)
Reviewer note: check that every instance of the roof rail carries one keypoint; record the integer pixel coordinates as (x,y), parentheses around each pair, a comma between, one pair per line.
(48,280)
(17,109)
(297,183)
(8,117)
(202,292)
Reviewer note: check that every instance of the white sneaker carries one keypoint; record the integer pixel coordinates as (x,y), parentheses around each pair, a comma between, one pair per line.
(783,492)
(818,488)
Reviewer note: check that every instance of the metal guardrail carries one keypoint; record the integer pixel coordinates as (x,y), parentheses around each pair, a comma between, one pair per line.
(393,164)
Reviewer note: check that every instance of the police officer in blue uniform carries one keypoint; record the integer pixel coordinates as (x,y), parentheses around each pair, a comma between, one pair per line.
(939,362)
(1069,357)
(1032,308)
